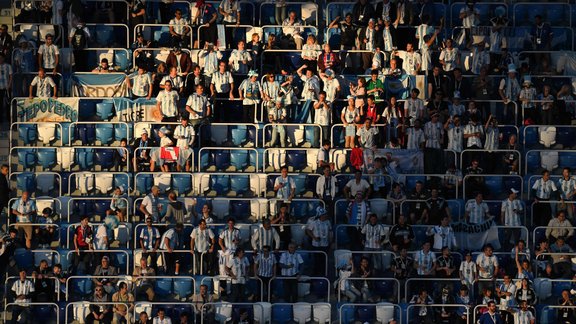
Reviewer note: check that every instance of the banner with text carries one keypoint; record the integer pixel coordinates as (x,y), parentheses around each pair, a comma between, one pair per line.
(402,161)
(47,109)
(474,236)
(139,110)
(99,85)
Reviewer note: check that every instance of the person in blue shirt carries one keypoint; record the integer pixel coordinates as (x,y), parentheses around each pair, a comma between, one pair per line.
(491,316)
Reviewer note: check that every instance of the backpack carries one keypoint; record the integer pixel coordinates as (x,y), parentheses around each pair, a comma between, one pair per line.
(79,38)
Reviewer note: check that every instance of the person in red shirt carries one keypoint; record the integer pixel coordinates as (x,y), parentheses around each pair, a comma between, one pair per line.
(83,236)
(371,110)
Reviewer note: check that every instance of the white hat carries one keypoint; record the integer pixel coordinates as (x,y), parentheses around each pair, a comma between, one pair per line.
(514,190)
(329,72)
(252,73)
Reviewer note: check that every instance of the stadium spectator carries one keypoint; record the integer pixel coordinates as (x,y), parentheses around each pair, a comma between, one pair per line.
(477,210)
(284,185)
(425,313)
(443,235)
(22,291)
(205,214)
(45,86)
(416,208)
(292,31)
(222,88)
(562,263)
(479,57)
(463,298)
(444,314)
(198,106)
(265,235)
(320,231)
(396,196)
(200,302)
(58,275)
(169,244)
(401,234)
(509,90)
(525,293)
(237,269)
(310,52)
(167,103)
(142,57)
(103,275)
(488,268)
(6,43)
(25,210)
(322,115)
(100,309)
(524,269)
(79,37)
(425,261)
(202,246)
(230,10)
(542,191)
(510,212)
(250,94)
(137,13)
(402,268)
(176,211)
(559,227)
(183,64)
(123,312)
(363,271)
(141,83)
(374,237)
(144,286)
(362,12)
(177,82)
(566,315)
(5,89)
(567,190)
(328,60)
(290,264)
(282,219)
(161,317)
(48,55)
(150,206)
(179,30)
(506,294)
(24,60)
(103,67)
(468,273)
(43,286)
(491,316)
(205,17)
(265,267)
(184,134)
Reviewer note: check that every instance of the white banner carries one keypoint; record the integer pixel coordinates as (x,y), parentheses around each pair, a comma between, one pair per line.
(474,236)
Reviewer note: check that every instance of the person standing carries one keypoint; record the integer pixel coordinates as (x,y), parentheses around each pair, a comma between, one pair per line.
(5,89)
(320,231)
(170,242)
(491,316)
(4,187)
(78,38)
(45,86)
(167,103)
(202,244)
(222,88)
(290,263)
(237,270)
(49,55)
(265,267)
(22,291)
(543,190)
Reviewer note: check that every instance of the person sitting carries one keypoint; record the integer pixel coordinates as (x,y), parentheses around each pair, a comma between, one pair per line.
(104,67)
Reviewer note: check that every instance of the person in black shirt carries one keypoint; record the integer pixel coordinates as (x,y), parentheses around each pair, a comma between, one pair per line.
(445,267)
(401,235)
(436,208)
(362,12)
(566,315)
(417,207)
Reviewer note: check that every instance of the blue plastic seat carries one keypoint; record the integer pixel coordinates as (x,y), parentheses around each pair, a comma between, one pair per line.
(104,158)
(567,159)
(565,136)
(27,158)
(297,160)
(64,133)
(84,158)
(281,314)
(120,260)
(300,183)
(222,160)
(100,207)
(144,183)
(240,209)
(26,182)
(105,133)
(105,35)
(47,158)
(120,132)
(532,162)
(238,134)
(86,133)
(239,159)
(163,287)
(83,207)
(183,287)
(182,183)
(24,258)
(44,312)
(121,180)
(366,314)
(309,133)
(530,137)
(104,110)
(239,184)
(45,183)
(81,287)
(121,60)
(220,184)
(494,186)
(28,133)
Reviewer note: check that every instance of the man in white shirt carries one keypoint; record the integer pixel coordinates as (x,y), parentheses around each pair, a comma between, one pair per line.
(230,10)
(449,57)
(161,317)
(322,117)
(543,190)
(510,213)
(25,209)
(443,235)
(23,290)
(202,244)
(488,267)
(170,242)
(455,131)
(240,59)
(375,235)
(357,185)
(140,83)
(425,261)
(198,106)
(473,133)
(222,88)
(477,210)
(150,205)
(290,263)
(284,185)
(411,60)
(48,55)
(289,28)
(45,86)
(167,103)
(179,30)
(320,231)
(567,190)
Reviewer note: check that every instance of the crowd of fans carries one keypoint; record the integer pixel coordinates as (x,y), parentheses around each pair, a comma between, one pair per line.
(474,88)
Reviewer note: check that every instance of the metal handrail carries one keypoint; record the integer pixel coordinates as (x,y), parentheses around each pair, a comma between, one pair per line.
(255,125)
(31,304)
(434,305)
(15,125)
(72,199)
(396,282)
(226,278)
(292,4)
(542,151)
